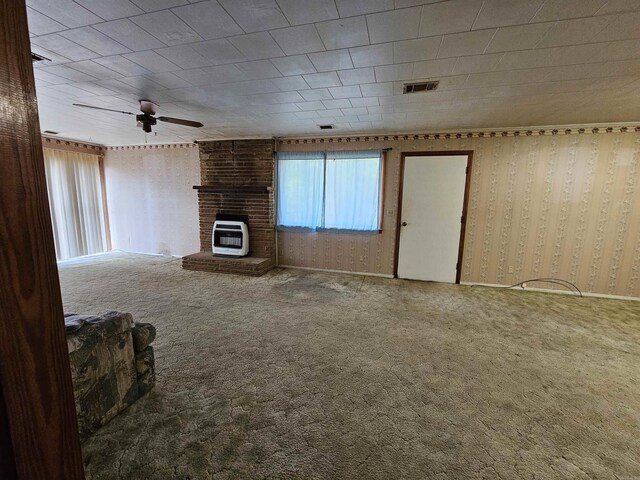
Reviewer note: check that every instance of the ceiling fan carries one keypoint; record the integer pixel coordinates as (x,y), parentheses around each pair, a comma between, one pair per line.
(146,120)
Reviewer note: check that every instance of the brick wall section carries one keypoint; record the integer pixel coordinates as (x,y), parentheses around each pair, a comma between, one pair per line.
(232,165)
(206,262)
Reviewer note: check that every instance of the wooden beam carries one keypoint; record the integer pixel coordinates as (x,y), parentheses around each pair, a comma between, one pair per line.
(38,427)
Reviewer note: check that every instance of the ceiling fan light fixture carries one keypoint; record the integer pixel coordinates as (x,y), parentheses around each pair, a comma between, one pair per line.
(149,107)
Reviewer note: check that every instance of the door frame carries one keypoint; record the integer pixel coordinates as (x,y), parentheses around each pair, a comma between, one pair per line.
(465,202)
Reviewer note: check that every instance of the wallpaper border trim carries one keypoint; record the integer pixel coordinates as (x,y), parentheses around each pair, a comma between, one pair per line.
(49,142)
(463,134)
(154,146)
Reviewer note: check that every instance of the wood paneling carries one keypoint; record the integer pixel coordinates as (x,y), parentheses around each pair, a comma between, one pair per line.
(34,363)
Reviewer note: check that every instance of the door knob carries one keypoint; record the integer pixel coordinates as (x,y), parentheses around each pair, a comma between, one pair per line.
(404,224)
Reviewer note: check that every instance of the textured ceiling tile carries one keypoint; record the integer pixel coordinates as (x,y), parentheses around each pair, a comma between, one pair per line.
(307,106)
(500,13)
(364,102)
(333,60)
(259,69)
(295,65)
(40,24)
(330,113)
(357,76)
(521,37)
(448,17)
(212,75)
(316,94)
(338,103)
(217,52)
(94,88)
(255,15)
(344,33)
(469,43)
(184,56)
(62,46)
(152,61)
(50,78)
(377,89)
(209,19)
(619,6)
(395,25)
(477,63)
(129,34)
(297,40)
(415,50)
(345,92)
(121,65)
(434,68)
(564,9)
(95,70)
(372,55)
(351,8)
(153,5)
(574,32)
(70,74)
(287,84)
(111,9)
(549,57)
(308,11)
(256,46)
(167,28)
(94,40)
(167,80)
(622,27)
(66,12)
(390,73)
(319,80)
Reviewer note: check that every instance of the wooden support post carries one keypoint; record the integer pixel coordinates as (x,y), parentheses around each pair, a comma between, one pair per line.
(38,427)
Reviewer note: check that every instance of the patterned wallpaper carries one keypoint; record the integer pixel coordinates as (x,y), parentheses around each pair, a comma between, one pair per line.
(542,204)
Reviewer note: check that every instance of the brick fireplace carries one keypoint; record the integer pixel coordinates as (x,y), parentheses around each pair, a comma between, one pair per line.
(237,177)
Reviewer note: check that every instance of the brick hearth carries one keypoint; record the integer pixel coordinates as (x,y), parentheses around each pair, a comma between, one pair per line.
(237,178)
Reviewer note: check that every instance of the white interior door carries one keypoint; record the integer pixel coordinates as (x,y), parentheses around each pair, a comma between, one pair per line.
(432,202)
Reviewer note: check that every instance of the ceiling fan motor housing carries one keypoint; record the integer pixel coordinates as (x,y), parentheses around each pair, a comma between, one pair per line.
(147,121)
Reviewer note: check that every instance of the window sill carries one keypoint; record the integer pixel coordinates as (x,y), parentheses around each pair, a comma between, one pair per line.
(335,231)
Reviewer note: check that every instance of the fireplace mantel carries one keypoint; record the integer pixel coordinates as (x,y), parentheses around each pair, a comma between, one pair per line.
(232,189)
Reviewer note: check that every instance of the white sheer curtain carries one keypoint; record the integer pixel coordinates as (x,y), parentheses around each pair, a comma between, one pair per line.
(75,199)
(300,189)
(330,190)
(352,190)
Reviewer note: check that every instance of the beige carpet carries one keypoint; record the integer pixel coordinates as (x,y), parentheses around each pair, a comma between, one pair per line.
(326,376)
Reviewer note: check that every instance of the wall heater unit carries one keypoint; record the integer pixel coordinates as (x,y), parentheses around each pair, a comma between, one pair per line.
(230,235)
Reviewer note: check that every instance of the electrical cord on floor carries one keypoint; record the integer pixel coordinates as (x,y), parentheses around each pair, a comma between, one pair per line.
(565,283)
(557,281)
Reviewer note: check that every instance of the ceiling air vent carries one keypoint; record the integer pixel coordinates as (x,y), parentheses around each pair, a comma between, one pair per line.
(326,127)
(38,58)
(50,132)
(420,87)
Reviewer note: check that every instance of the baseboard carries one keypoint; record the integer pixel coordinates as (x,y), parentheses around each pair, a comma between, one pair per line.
(368,274)
(550,290)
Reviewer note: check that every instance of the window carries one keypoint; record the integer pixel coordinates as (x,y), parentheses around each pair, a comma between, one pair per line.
(330,190)
(75,200)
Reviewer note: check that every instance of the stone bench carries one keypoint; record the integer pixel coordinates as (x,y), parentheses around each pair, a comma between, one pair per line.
(112,365)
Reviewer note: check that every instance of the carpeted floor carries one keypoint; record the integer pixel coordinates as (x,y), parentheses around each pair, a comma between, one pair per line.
(326,376)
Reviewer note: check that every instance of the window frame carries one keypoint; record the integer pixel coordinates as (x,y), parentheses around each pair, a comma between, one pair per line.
(322,229)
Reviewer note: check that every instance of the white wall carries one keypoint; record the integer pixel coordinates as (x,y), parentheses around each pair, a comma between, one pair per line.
(151,203)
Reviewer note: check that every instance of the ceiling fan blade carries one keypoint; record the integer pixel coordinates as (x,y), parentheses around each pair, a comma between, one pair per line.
(100,108)
(180,121)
